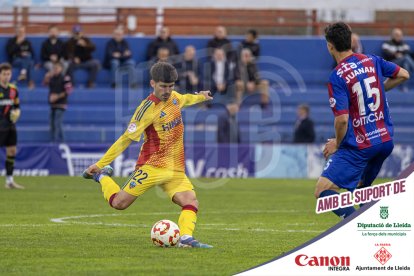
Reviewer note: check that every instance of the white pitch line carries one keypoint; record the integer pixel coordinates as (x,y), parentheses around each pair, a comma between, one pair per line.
(29,225)
(110,224)
(71,220)
(63,219)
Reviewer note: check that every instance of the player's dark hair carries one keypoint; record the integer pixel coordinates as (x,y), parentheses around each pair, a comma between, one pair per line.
(51,26)
(253,32)
(339,34)
(5,67)
(164,72)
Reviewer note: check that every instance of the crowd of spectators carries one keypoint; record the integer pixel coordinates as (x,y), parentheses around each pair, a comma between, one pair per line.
(230,73)
(219,70)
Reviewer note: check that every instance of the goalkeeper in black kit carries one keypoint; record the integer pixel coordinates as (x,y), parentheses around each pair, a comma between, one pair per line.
(9,114)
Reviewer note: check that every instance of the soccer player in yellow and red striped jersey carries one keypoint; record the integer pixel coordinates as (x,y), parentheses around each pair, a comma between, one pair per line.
(161,160)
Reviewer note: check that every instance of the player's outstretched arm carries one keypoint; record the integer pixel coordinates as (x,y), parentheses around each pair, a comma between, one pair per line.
(191,99)
(207,95)
(401,77)
(141,119)
(114,151)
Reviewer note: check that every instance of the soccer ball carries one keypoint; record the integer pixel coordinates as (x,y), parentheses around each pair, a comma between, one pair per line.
(165,233)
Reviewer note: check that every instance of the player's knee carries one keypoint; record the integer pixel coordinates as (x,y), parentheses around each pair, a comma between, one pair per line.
(190,201)
(318,190)
(317,193)
(119,205)
(195,203)
(185,198)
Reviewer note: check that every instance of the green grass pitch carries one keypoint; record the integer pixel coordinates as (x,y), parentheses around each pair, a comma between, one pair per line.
(62,225)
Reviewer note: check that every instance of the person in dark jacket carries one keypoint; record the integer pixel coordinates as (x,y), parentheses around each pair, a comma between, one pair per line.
(304,127)
(118,54)
(162,41)
(21,56)
(60,87)
(78,50)
(51,52)
(219,76)
(398,51)
(250,81)
(220,40)
(218,73)
(250,42)
(188,69)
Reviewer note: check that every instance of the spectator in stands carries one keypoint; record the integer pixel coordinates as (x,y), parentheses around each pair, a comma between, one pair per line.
(304,127)
(219,75)
(188,70)
(78,52)
(162,41)
(250,81)
(51,52)
(227,127)
(398,51)
(21,56)
(220,40)
(356,44)
(118,54)
(163,54)
(250,42)
(59,87)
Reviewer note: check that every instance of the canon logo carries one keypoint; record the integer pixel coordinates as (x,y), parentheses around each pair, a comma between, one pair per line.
(303,260)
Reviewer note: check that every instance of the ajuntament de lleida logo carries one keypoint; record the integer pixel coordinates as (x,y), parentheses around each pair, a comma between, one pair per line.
(384,212)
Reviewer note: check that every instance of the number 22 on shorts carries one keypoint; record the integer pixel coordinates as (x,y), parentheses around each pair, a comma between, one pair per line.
(140,176)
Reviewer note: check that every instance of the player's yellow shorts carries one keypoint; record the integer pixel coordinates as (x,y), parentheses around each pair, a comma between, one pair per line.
(145,177)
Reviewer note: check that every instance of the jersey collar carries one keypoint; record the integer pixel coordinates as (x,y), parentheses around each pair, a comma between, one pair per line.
(345,58)
(153,98)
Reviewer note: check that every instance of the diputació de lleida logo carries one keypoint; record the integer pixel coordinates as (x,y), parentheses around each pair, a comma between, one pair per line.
(384,212)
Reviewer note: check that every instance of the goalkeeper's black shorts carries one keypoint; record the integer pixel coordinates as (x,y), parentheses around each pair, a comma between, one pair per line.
(8,135)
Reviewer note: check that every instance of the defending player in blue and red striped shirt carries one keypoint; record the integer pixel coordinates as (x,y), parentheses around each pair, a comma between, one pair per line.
(363,127)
